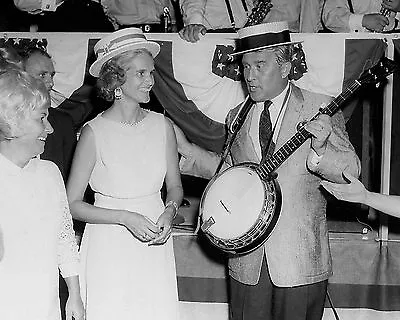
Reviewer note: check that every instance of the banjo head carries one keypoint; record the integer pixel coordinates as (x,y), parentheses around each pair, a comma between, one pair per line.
(233,201)
(239,210)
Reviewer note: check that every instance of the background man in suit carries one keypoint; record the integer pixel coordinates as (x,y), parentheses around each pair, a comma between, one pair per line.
(285,278)
(60,145)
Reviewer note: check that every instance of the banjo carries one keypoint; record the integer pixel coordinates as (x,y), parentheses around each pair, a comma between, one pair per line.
(240,206)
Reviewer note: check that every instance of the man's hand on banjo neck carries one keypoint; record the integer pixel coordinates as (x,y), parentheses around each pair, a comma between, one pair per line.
(320,129)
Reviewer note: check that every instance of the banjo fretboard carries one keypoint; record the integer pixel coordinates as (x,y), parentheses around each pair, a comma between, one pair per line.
(273,162)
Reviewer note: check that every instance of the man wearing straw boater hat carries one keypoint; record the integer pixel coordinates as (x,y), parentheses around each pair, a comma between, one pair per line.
(286,277)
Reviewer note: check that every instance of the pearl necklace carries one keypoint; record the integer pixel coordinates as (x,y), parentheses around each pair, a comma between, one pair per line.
(132,124)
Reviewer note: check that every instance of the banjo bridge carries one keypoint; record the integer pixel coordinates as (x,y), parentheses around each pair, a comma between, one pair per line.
(207,224)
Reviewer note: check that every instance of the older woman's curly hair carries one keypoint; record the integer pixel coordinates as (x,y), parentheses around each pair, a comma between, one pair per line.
(20,94)
(113,73)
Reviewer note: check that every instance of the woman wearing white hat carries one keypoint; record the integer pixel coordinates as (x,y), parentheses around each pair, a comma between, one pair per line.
(126,154)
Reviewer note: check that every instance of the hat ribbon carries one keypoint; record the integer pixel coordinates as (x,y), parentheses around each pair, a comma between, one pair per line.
(263,40)
(113,42)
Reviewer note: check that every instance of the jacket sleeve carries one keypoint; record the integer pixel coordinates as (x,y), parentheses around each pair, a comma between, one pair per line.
(339,155)
(202,163)
(199,162)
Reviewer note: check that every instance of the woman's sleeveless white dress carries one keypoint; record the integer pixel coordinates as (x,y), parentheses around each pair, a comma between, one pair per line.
(121,277)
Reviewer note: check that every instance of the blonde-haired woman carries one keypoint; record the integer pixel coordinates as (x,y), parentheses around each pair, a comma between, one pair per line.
(36,226)
(126,154)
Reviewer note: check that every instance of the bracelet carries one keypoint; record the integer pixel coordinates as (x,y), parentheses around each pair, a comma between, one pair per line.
(173,203)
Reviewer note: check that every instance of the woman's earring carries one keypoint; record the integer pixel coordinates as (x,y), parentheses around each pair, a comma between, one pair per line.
(118,93)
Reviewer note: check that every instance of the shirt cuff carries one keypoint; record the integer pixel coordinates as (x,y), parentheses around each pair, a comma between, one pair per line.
(194,19)
(314,159)
(355,23)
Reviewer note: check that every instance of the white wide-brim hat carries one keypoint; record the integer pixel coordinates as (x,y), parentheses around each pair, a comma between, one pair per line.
(262,36)
(118,42)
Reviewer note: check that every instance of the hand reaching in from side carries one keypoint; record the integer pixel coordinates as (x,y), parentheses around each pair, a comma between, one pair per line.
(354,191)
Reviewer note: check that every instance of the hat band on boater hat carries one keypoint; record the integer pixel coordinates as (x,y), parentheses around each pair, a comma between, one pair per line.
(262,36)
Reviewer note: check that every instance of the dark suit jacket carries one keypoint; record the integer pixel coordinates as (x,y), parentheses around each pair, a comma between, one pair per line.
(78,106)
(60,145)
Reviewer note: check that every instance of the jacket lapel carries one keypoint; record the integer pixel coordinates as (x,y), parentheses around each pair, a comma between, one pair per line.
(244,143)
(291,118)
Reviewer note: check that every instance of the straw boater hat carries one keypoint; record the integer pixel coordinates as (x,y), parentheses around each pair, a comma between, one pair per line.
(262,36)
(121,41)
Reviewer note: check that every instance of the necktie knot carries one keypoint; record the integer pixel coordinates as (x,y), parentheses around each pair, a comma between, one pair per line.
(267,104)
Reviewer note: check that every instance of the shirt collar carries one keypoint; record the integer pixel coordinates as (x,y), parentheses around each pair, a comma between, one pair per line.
(278,100)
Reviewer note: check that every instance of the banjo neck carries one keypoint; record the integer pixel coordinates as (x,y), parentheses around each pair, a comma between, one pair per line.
(273,162)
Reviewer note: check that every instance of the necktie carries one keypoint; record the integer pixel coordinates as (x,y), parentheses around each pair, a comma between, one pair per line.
(265,131)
